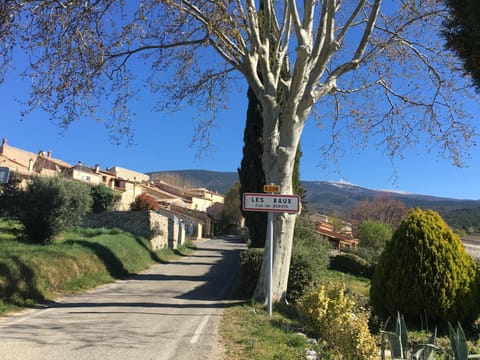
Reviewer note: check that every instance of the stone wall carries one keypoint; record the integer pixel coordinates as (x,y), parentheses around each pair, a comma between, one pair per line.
(147,224)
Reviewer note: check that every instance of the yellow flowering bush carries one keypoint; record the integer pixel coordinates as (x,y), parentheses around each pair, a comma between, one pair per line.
(328,314)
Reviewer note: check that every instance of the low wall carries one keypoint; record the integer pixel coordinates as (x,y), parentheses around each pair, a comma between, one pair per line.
(147,224)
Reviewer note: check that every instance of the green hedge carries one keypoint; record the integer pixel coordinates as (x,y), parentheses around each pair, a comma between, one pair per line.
(352,264)
(250,264)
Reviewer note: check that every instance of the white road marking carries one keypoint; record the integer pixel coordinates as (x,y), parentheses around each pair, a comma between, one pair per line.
(199,330)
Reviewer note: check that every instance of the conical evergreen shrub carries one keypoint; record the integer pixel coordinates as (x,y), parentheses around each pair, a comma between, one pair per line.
(426,274)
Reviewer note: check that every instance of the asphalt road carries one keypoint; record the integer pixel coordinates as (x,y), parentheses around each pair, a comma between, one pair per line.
(172,311)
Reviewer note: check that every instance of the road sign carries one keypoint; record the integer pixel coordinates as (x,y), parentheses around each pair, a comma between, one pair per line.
(271,188)
(271,202)
(4,174)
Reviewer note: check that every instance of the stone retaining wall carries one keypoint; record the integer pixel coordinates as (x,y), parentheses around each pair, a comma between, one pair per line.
(147,224)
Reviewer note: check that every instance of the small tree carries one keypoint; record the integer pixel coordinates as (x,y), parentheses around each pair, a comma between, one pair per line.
(425,271)
(49,205)
(382,208)
(231,213)
(374,234)
(144,202)
(104,198)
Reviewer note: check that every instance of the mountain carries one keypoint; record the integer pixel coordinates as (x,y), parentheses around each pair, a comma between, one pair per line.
(339,197)
(335,197)
(212,180)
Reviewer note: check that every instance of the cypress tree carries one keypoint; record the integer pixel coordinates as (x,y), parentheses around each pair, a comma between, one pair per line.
(251,175)
(462,35)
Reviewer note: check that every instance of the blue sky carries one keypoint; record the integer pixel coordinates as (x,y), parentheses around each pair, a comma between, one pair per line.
(163,142)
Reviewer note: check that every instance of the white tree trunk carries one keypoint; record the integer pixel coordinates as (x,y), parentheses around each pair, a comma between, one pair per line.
(283,225)
(281,138)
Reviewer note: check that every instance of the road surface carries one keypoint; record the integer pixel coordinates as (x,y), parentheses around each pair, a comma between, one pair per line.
(172,311)
(472,245)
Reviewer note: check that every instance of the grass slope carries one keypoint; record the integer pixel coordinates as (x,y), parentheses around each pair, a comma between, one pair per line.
(81,259)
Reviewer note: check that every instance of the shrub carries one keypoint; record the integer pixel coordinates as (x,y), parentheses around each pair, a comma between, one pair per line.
(352,264)
(104,198)
(144,202)
(374,234)
(327,314)
(311,246)
(424,270)
(300,277)
(49,205)
(250,264)
(309,259)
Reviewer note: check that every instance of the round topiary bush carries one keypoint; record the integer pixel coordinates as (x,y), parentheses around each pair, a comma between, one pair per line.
(425,271)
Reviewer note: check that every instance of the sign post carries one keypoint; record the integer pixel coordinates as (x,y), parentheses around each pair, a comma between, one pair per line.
(270,260)
(271,203)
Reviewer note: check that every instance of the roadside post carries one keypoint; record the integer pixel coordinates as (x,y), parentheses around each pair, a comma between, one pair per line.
(271,201)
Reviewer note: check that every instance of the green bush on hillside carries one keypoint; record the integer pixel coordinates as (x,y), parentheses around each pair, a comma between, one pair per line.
(104,198)
(309,259)
(49,205)
(351,263)
(425,271)
(250,264)
(374,234)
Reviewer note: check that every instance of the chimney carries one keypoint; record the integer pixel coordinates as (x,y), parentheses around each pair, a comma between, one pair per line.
(49,154)
(97,168)
(4,142)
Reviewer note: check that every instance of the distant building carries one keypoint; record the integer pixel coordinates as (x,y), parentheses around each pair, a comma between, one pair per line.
(338,238)
(127,174)
(26,163)
(189,206)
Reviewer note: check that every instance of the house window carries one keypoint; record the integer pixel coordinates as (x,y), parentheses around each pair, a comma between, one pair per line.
(85,177)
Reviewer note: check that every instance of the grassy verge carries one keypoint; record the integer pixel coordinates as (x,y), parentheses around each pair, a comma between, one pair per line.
(249,333)
(81,259)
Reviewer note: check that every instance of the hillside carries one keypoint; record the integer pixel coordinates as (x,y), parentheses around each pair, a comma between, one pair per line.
(340,198)
(212,180)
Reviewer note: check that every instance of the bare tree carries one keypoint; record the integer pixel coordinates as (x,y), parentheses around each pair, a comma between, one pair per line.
(373,73)
(382,208)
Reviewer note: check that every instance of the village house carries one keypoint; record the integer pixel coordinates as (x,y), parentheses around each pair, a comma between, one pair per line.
(339,239)
(26,163)
(189,209)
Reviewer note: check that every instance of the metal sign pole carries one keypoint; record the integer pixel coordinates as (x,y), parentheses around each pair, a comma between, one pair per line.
(271,203)
(270,260)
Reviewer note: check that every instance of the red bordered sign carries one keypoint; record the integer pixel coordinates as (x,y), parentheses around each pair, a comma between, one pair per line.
(271,202)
